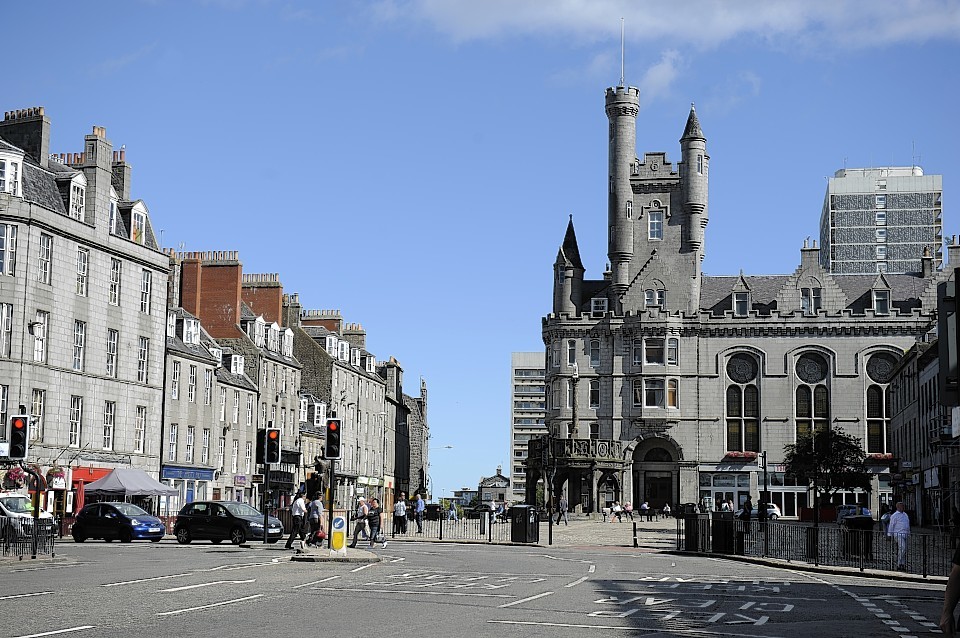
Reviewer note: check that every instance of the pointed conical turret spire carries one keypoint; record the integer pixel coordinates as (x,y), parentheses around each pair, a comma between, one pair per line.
(692,130)
(569,248)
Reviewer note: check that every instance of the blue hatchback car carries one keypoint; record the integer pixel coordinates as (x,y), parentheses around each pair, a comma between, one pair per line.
(122,521)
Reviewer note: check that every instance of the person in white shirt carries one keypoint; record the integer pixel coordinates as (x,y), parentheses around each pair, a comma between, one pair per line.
(899,529)
(298,510)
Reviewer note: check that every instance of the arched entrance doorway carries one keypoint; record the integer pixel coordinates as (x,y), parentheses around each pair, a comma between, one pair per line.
(656,473)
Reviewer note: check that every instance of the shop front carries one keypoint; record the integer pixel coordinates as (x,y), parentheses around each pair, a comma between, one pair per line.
(191,483)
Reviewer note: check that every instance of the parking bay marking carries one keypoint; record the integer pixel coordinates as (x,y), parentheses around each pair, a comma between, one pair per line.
(418,592)
(220,604)
(39,593)
(527,599)
(216,582)
(316,582)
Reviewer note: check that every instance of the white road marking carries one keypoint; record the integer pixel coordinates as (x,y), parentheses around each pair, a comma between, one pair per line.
(419,592)
(145,580)
(576,582)
(316,582)
(228,568)
(58,631)
(220,604)
(592,569)
(663,630)
(358,569)
(528,599)
(39,593)
(216,582)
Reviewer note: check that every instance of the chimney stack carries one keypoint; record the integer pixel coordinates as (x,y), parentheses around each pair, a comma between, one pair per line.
(28,129)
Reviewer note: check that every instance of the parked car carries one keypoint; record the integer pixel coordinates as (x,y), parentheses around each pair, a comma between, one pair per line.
(844,511)
(773,512)
(16,516)
(218,521)
(116,521)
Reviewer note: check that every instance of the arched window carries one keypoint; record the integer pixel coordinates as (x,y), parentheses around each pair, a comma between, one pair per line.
(743,404)
(658,455)
(812,396)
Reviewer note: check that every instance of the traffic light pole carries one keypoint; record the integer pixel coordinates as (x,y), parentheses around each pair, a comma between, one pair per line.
(330,491)
(266,502)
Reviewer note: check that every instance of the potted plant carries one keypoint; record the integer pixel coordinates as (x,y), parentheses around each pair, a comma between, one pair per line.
(56,477)
(15,477)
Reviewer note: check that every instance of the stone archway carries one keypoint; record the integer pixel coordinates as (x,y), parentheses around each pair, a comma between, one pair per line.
(655,473)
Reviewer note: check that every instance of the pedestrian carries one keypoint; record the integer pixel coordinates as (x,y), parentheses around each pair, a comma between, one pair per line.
(315,514)
(666,510)
(745,514)
(884,517)
(360,520)
(452,511)
(374,519)
(418,508)
(645,510)
(400,515)
(617,512)
(955,525)
(562,510)
(298,511)
(948,624)
(899,530)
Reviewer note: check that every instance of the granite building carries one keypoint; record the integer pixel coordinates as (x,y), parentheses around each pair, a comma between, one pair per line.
(881,220)
(665,383)
(82,304)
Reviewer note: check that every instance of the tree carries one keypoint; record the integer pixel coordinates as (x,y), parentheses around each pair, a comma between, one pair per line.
(831,459)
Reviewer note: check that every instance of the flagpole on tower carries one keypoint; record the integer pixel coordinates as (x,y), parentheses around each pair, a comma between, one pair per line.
(621,51)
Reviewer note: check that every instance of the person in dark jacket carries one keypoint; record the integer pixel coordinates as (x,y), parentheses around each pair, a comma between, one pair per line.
(745,514)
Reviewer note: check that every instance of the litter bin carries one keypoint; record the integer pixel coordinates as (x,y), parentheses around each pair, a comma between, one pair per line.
(857,535)
(722,530)
(524,524)
(695,532)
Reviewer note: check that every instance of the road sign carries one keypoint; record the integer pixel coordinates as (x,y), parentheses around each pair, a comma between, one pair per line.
(338,535)
(256,479)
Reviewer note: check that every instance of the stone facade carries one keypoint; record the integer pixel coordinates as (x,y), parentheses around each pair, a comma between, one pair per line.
(665,384)
(82,304)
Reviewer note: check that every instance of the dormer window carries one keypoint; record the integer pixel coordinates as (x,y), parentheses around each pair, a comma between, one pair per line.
(10,176)
(881,302)
(598,307)
(171,323)
(303,410)
(273,338)
(191,331)
(216,353)
(236,364)
(343,351)
(355,357)
(331,345)
(114,213)
(371,363)
(810,300)
(259,332)
(741,304)
(139,231)
(78,194)
(288,343)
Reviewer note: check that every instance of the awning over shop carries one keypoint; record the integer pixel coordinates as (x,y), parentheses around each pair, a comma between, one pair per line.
(123,482)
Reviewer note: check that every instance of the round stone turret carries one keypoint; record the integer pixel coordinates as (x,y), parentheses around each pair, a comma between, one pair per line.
(622,105)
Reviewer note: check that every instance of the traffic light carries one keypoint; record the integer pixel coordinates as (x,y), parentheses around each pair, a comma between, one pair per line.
(19,436)
(272,451)
(261,447)
(332,448)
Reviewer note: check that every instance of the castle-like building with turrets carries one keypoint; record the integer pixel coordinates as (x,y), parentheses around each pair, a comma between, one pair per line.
(667,385)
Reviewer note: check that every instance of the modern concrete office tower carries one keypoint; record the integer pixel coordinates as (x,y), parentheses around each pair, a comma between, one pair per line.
(527,408)
(881,220)
(665,384)
(82,305)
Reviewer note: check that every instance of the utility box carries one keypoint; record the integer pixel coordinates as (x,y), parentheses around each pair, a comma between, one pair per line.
(524,524)
(721,529)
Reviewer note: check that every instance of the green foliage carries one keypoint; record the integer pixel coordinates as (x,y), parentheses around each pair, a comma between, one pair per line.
(831,458)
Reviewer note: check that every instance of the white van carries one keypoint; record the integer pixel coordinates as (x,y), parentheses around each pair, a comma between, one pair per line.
(16,516)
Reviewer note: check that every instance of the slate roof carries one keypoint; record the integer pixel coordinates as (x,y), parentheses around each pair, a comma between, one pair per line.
(235,380)
(40,187)
(692,129)
(569,248)
(6,146)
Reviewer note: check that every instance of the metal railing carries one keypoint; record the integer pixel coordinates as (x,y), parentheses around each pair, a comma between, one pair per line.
(923,553)
(467,529)
(17,537)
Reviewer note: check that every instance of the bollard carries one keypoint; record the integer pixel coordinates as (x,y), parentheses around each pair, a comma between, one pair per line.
(635,542)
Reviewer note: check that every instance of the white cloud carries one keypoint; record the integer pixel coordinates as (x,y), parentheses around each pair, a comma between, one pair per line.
(658,79)
(733,92)
(700,23)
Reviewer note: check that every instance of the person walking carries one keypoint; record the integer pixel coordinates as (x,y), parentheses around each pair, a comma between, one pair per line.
(745,515)
(400,515)
(374,520)
(452,511)
(298,511)
(617,512)
(360,520)
(665,510)
(899,530)
(315,515)
(418,508)
(948,623)
(562,510)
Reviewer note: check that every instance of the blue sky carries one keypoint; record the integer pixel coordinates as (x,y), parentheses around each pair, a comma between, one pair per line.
(414,162)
